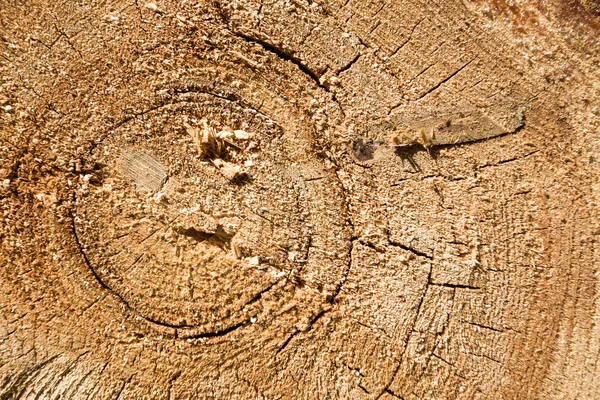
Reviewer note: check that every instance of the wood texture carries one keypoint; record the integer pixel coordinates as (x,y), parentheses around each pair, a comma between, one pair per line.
(412,212)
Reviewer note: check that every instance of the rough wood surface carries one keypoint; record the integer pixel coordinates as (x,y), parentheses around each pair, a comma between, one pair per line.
(396,199)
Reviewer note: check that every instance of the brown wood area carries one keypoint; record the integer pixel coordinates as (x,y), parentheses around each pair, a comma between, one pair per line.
(299,199)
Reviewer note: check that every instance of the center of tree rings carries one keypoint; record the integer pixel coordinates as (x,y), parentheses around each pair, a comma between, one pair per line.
(209,215)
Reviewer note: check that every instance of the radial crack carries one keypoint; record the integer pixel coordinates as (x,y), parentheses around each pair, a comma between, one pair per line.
(412,250)
(284,55)
(176,327)
(452,75)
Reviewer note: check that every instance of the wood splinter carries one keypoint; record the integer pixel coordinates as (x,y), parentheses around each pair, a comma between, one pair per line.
(211,145)
(206,140)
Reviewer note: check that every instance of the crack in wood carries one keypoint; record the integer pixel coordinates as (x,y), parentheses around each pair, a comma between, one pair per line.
(363,388)
(349,65)
(175,327)
(484,326)
(414,322)
(408,248)
(454,285)
(286,55)
(443,81)
(216,333)
(286,342)
(412,31)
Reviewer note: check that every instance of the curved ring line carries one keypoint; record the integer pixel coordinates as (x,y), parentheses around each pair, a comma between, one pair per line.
(254,298)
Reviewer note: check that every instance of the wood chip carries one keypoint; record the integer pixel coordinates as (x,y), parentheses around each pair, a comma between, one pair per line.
(223,134)
(237,252)
(228,169)
(152,6)
(206,141)
(241,135)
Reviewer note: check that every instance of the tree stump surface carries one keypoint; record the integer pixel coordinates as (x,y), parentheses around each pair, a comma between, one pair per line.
(299,199)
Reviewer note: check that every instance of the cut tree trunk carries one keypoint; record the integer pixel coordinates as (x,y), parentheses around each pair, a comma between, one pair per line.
(299,199)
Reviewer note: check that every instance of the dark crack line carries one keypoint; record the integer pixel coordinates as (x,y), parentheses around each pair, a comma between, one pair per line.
(510,159)
(376,14)
(67,39)
(87,261)
(407,248)
(485,139)
(373,328)
(289,56)
(394,244)
(408,38)
(436,147)
(261,216)
(377,24)
(49,104)
(452,75)
(363,388)
(132,309)
(349,65)
(330,301)
(310,325)
(427,68)
(421,300)
(344,6)
(286,342)
(484,326)
(176,91)
(283,54)
(472,86)
(259,295)
(258,16)
(371,246)
(454,285)
(434,355)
